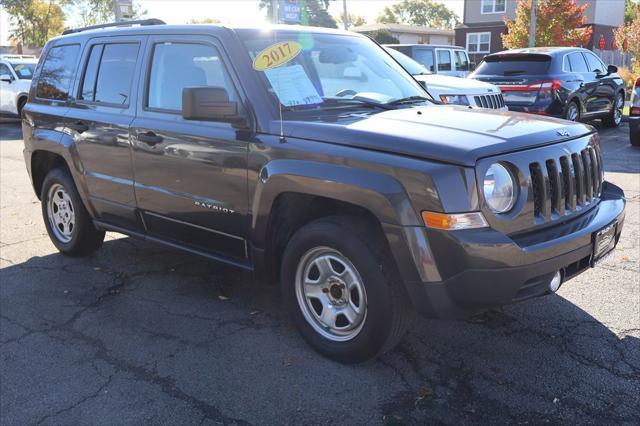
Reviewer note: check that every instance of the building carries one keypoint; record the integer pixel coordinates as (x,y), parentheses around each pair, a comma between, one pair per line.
(483,23)
(411,34)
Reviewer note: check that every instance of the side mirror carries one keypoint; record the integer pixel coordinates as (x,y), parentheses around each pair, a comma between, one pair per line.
(209,104)
(612,69)
(6,78)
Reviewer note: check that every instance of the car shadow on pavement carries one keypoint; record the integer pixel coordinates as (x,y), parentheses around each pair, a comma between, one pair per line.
(136,332)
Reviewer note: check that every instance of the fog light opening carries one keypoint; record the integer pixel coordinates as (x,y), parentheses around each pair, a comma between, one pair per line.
(555,282)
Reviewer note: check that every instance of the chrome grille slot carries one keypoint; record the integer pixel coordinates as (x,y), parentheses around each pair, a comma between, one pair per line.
(568,184)
(588,175)
(537,185)
(490,101)
(578,173)
(555,188)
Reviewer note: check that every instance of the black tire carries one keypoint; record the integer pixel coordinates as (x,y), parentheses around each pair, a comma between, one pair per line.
(388,309)
(634,138)
(615,116)
(84,238)
(21,104)
(572,107)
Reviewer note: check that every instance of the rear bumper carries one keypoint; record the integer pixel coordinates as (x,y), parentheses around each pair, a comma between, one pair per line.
(481,269)
(634,129)
(553,108)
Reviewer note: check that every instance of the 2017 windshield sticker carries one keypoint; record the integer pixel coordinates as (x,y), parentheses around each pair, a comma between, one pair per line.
(276,55)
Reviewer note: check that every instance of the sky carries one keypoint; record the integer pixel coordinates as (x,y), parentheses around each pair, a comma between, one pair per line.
(236,11)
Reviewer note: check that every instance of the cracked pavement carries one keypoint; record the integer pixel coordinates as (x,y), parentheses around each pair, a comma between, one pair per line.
(141,334)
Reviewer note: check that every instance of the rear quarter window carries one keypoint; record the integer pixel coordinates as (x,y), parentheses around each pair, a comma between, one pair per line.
(514,65)
(57,72)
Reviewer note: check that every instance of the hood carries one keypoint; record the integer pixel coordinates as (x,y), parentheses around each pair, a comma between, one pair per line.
(447,133)
(456,85)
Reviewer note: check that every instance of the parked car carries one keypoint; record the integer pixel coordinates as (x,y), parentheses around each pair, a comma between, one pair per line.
(15,78)
(634,115)
(257,148)
(452,90)
(567,82)
(439,59)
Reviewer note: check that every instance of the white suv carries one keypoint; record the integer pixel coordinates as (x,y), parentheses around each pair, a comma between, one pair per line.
(16,72)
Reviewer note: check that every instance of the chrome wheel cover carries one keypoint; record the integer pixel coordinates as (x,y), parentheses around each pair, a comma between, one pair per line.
(331,294)
(619,107)
(60,212)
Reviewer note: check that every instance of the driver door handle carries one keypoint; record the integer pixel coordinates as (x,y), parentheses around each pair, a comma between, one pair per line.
(78,126)
(149,138)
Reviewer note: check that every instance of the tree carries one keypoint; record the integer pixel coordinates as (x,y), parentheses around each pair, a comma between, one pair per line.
(34,21)
(353,20)
(558,23)
(382,37)
(92,12)
(427,13)
(205,21)
(631,33)
(631,9)
(314,13)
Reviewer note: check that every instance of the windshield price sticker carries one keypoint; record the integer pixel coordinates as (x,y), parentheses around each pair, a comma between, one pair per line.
(276,55)
(293,86)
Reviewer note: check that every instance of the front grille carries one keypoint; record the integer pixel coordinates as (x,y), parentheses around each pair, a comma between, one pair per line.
(563,185)
(490,101)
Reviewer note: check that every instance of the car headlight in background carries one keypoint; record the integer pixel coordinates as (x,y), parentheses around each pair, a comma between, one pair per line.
(454,99)
(499,188)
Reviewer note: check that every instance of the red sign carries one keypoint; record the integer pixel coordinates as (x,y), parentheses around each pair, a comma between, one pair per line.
(602,43)
(614,45)
(625,45)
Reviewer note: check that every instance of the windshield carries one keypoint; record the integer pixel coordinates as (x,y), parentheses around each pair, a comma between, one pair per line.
(413,67)
(24,71)
(307,71)
(514,64)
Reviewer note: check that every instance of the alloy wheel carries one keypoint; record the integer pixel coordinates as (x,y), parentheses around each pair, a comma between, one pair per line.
(60,213)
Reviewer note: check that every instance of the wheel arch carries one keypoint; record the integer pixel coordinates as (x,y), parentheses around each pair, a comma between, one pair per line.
(42,162)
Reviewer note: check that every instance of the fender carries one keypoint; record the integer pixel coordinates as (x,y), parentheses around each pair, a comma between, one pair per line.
(381,194)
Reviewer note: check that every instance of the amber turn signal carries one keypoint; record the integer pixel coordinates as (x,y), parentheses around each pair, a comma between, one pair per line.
(454,221)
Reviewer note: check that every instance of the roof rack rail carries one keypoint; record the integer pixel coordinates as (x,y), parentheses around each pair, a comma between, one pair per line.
(142,22)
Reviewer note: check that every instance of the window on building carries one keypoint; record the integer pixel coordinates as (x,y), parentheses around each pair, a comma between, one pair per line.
(109,73)
(57,72)
(494,6)
(444,60)
(179,65)
(478,42)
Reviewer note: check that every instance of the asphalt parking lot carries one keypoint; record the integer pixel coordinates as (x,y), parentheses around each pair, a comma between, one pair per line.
(140,334)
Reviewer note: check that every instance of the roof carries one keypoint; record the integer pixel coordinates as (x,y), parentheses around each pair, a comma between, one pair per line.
(443,46)
(537,50)
(402,28)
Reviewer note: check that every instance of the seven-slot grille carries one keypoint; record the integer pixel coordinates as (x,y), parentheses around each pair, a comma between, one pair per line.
(566,184)
(490,101)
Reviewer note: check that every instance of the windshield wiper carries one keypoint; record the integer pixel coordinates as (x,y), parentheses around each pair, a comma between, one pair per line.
(409,100)
(356,101)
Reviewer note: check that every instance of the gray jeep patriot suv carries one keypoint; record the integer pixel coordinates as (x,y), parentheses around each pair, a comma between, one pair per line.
(310,157)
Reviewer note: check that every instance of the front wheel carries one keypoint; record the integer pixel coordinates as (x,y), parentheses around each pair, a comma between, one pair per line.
(615,116)
(66,219)
(342,290)
(572,112)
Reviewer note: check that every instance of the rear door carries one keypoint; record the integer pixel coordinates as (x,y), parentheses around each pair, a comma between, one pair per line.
(191,176)
(99,120)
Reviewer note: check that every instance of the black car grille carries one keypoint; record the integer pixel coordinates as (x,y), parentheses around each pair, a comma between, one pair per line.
(490,101)
(566,184)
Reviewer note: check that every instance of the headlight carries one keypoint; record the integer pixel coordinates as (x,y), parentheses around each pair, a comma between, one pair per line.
(499,189)
(454,99)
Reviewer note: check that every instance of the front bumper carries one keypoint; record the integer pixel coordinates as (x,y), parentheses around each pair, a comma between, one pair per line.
(483,268)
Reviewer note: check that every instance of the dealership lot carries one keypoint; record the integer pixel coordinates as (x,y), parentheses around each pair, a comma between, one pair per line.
(138,333)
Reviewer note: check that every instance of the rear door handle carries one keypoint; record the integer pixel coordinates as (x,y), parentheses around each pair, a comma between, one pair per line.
(149,138)
(78,126)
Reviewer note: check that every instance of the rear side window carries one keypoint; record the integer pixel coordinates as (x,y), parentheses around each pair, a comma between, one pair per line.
(109,73)
(444,60)
(425,57)
(57,72)
(576,62)
(178,65)
(594,63)
(514,64)
(462,61)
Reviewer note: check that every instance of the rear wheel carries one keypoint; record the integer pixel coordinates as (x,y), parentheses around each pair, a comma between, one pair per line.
(572,113)
(615,116)
(342,290)
(67,221)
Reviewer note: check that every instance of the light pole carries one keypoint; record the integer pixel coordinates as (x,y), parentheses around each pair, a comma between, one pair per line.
(532,25)
(345,17)
(274,11)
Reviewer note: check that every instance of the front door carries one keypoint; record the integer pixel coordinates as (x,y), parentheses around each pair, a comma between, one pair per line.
(7,95)
(190,176)
(99,120)
(602,93)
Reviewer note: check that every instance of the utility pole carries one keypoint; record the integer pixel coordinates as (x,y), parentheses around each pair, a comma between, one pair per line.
(274,11)
(345,18)
(532,26)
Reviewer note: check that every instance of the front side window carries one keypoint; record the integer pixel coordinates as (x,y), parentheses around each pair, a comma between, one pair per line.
(57,72)
(462,61)
(594,63)
(311,71)
(424,57)
(478,42)
(178,65)
(444,60)
(494,6)
(4,70)
(24,71)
